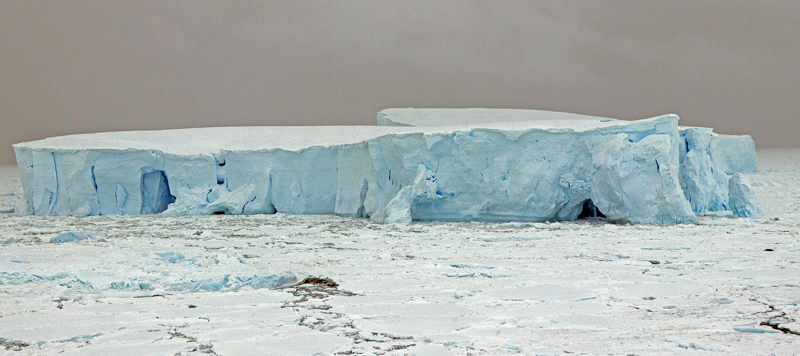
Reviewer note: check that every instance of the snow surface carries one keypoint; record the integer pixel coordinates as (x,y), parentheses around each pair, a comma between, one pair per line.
(540,166)
(477,116)
(226,284)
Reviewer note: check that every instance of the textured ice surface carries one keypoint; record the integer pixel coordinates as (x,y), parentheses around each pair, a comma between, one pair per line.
(707,159)
(487,165)
(741,197)
(72,236)
(154,273)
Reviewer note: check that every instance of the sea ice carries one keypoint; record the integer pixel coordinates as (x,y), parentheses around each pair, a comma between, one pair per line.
(72,236)
(170,256)
(417,164)
(154,272)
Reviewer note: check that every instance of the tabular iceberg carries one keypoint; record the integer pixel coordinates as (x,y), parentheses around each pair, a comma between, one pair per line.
(417,164)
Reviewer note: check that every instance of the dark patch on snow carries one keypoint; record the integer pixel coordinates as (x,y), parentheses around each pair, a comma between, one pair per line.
(776,322)
(319,281)
(13,345)
(315,315)
(201,348)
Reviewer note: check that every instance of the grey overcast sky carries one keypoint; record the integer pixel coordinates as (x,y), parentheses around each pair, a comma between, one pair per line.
(88,66)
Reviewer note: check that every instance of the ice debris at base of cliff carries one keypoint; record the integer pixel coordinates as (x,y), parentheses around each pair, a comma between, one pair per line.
(417,164)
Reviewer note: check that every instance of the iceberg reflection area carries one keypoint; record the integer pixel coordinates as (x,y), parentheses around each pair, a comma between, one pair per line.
(523,165)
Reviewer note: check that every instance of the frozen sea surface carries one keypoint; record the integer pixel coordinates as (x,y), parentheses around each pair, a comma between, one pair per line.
(228,285)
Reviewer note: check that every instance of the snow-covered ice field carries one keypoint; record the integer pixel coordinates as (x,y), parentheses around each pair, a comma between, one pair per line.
(227,285)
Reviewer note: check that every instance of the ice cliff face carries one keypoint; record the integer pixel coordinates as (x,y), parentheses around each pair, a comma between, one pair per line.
(707,162)
(522,165)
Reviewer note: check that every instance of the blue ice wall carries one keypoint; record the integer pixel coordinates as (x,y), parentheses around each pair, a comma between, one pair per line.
(645,171)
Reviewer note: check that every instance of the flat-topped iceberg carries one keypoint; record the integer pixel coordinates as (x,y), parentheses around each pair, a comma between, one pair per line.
(707,160)
(417,164)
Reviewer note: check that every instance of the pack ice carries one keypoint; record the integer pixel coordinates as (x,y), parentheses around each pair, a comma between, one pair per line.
(417,164)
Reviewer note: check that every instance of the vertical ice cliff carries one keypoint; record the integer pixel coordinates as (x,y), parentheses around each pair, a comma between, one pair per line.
(707,159)
(629,173)
(512,165)
(741,198)
(707,162)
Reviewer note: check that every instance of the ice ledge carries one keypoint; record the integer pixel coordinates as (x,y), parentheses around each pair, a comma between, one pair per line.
(455,117)
(545,169)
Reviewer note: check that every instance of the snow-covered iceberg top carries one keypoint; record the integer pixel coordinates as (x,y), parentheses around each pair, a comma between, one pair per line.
(471,164)
(445,117)
(213,140)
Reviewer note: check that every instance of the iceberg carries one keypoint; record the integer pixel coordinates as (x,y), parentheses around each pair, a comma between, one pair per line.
(415,165)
